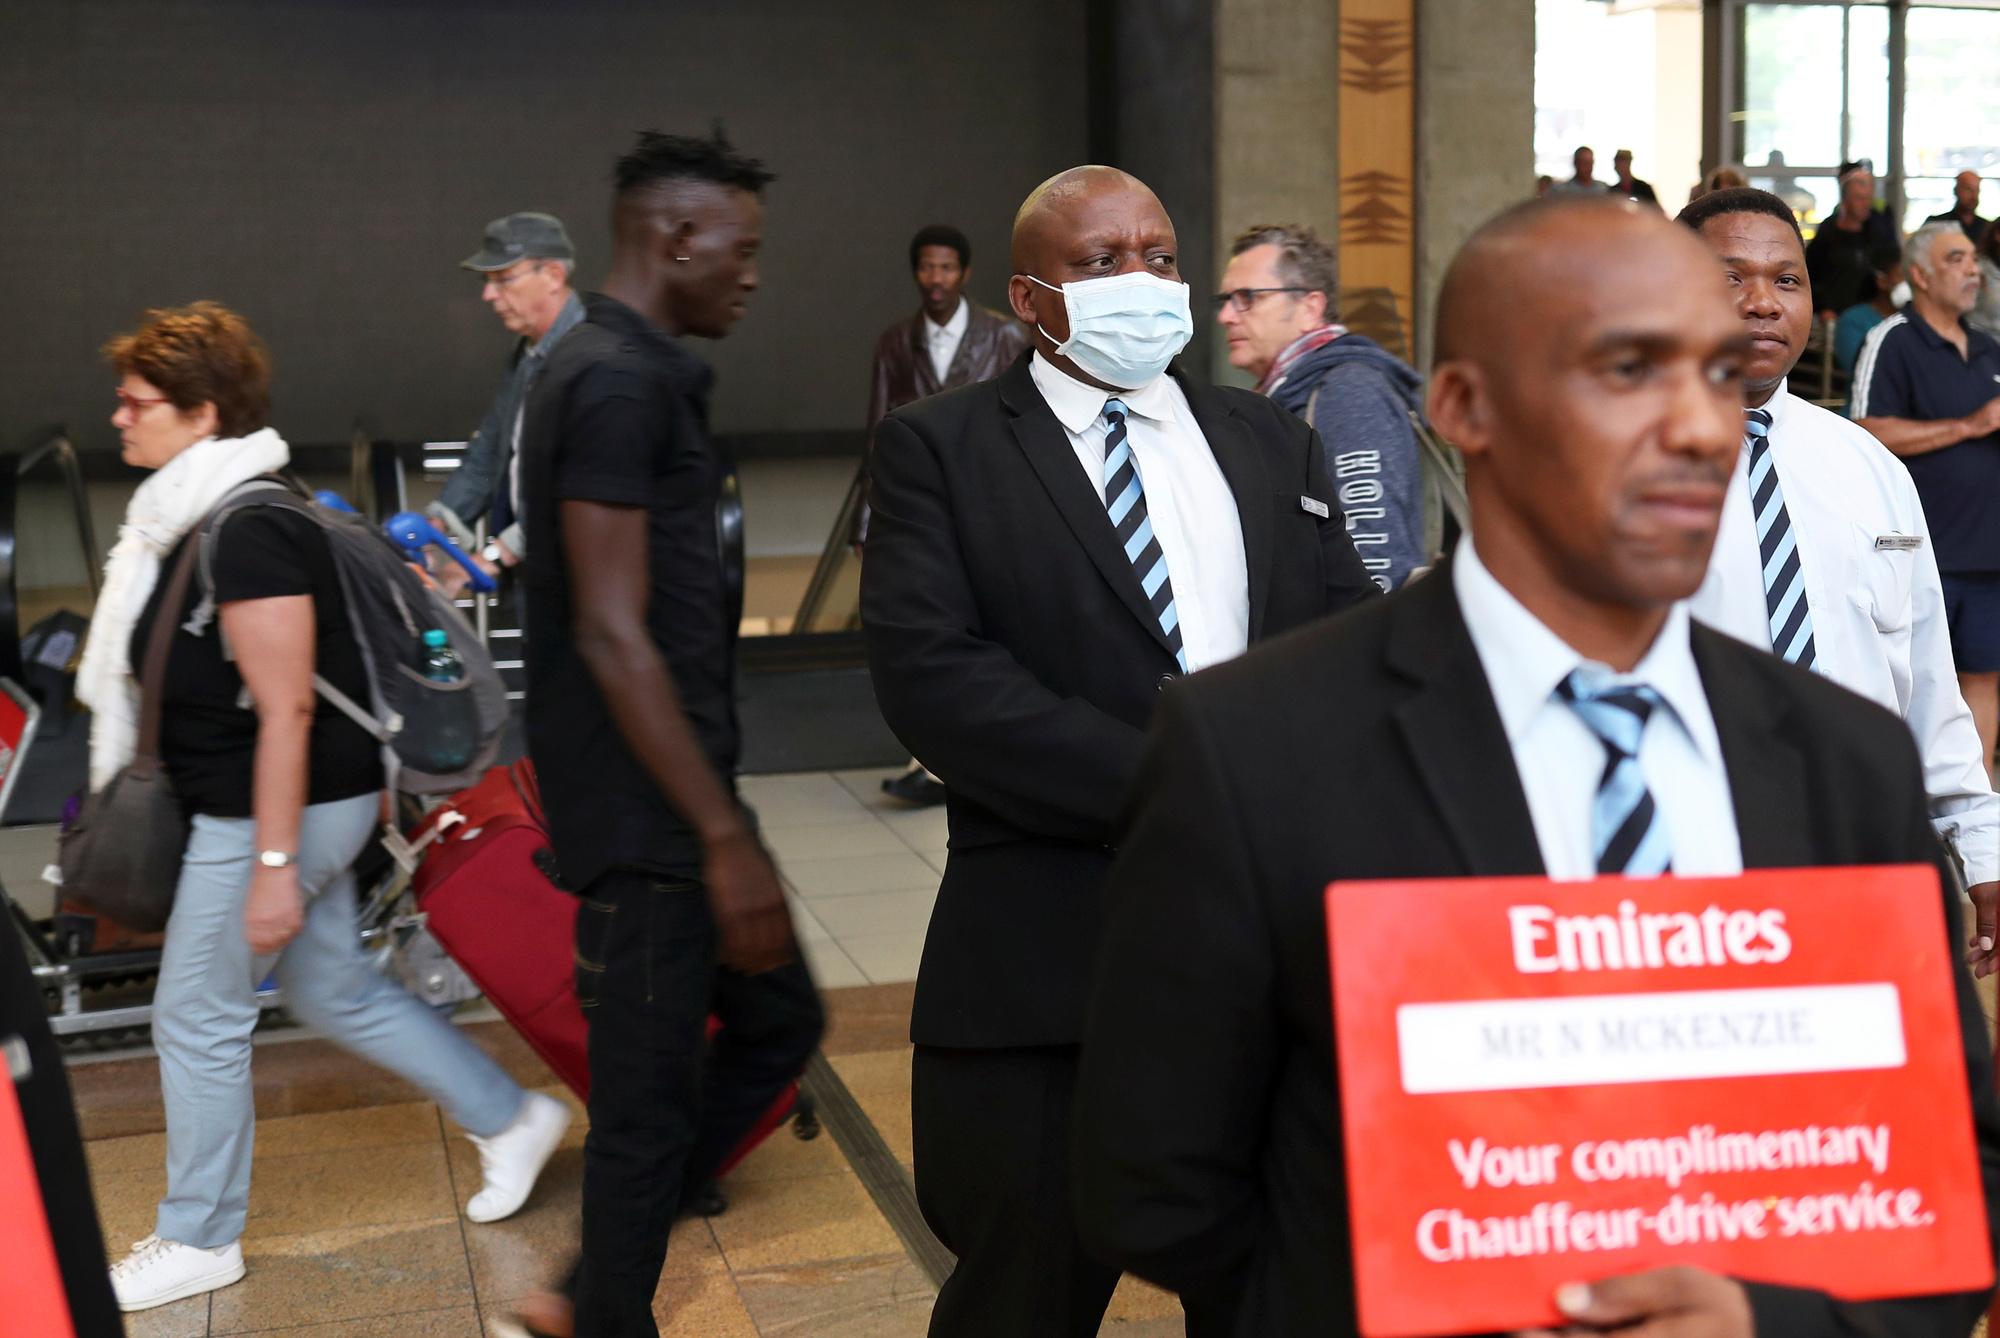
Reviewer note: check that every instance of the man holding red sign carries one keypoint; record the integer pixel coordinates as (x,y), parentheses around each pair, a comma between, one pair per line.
(1539,707)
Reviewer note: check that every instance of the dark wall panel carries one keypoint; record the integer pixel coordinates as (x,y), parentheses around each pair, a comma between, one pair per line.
(323,164)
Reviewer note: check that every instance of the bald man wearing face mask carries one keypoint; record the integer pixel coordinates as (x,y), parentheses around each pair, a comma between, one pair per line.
(1049,551)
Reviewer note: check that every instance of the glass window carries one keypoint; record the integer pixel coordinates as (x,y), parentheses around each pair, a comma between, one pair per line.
(1868,86)
(1811,198)
(1791,85)
(1951,118)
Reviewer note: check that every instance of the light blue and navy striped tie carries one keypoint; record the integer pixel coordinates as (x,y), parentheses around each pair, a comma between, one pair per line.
(1125,499)
(1625,827)
(1784,579)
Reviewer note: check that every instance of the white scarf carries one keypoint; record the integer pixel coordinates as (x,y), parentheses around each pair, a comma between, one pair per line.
(164,509)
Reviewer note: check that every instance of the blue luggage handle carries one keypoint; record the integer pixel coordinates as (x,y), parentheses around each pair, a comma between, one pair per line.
(413,533)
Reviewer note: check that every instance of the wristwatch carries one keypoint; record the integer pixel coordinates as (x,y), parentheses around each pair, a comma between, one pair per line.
(276,859)
(491,553)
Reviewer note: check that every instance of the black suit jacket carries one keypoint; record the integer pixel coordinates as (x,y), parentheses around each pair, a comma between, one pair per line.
(1208,1109)
(1014,653)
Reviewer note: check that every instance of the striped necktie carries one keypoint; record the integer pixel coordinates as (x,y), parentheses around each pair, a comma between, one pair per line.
(1625,827)
(1784,579)
(1125,500)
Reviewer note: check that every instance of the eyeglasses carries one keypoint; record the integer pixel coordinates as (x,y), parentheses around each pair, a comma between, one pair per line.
(1242,299)
(137,404)
(502,280)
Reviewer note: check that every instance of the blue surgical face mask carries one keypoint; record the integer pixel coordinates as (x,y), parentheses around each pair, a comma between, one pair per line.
(1123,328)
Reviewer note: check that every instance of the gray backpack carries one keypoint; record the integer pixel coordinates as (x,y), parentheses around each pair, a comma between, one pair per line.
(437,736)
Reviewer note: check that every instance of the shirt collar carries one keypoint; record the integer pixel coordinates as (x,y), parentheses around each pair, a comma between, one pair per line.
(566,319)
(955,327)
(1524,660)
(1077,404)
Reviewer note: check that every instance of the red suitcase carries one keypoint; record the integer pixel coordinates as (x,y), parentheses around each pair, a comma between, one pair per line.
(486,886)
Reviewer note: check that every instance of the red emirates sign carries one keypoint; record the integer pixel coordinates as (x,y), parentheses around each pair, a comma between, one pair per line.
(1760,1075)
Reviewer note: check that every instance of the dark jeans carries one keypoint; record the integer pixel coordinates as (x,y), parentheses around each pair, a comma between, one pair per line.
(666,1106)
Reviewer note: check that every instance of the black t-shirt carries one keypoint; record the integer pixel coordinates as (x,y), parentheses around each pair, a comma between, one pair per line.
(208,736)
(1840,264)
(620,416)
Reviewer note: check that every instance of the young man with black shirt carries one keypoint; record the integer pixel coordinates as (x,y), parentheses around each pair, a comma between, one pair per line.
(632,723)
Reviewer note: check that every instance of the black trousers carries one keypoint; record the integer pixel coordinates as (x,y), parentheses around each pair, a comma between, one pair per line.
(50,1121)
(666,1106)
(991,1138)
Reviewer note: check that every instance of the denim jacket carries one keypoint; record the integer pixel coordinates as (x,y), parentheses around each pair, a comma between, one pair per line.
(472,487)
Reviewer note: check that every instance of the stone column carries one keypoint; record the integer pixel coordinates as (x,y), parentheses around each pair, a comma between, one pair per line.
(1475,129)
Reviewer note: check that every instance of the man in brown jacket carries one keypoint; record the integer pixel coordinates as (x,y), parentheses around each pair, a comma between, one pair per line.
(951,341)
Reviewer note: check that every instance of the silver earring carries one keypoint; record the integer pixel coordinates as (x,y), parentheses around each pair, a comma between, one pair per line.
(682,259)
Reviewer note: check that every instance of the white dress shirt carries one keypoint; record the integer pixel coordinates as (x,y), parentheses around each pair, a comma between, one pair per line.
(1560,760)
(1192,509)
(1878,615)
(944,339)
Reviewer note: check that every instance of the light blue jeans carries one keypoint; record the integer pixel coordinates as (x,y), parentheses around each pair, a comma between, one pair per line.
(205,1008)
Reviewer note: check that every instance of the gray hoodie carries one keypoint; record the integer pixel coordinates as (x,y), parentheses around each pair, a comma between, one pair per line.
(1361,396)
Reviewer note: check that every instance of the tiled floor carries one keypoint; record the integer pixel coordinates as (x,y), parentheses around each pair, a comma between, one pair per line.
(862,870)
(355,1229)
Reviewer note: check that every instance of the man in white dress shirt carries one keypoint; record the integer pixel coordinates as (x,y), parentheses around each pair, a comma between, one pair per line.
(1850,586)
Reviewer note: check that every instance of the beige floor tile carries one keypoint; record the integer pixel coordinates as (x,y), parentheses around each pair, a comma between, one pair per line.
(814,800)
(935,858)
(701,1305)
(885,958)
(345,1130)
(883,1297)
(785,1156)
(1138,1301)
(806,926)
(889,1112)
(825,840)
(179,1319)
(865,784)
(878,1071)
(1166,1327)
(457,1322)
(287,1136)
(354,1273)
(322,1191)
(847,875)
(785,1223)
(903,912)
(920,828)
(832,968)
(127,1204)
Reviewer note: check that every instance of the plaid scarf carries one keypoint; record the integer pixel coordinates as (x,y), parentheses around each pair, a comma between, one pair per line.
(1316,338)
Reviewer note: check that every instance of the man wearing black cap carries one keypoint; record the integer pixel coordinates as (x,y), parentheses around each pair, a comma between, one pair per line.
(527,263)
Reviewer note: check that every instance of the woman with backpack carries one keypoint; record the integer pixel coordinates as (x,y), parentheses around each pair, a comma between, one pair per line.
(281,790)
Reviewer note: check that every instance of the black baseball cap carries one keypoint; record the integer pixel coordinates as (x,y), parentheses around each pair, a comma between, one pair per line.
(519,237)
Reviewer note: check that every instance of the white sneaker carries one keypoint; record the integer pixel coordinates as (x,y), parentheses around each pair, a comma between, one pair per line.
(158,1271)
(510,1160)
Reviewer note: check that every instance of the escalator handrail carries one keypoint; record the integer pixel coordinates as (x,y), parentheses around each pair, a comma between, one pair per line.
(834,553)
(58,445)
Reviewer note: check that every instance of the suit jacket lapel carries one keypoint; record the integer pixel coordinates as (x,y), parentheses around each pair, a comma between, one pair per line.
(1453,730)
(1047,447)
(1767,773)
(1243,464)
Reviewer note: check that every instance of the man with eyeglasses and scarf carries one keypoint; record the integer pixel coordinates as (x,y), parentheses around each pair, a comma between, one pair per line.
(1276,308)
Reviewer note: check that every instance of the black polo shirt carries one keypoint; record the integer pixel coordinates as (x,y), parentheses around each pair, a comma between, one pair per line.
(620,416)
(1973,228)
(1840,263)
(1909,370)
